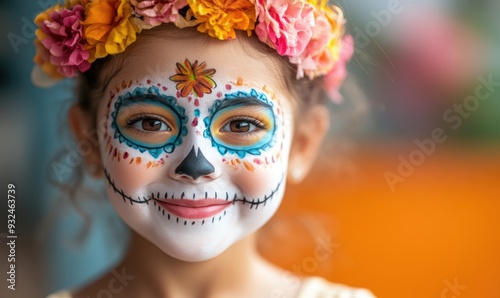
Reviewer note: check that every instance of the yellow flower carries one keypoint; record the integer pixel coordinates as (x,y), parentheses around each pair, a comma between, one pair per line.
(194,78)
(220,17)
(109,27)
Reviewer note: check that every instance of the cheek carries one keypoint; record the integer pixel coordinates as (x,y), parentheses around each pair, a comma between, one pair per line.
(262,182)
(127,166)
(259,175)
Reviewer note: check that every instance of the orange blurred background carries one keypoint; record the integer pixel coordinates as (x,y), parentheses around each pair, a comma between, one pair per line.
(436,235)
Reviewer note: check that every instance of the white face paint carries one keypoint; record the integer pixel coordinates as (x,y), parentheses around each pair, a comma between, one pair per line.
(194,147)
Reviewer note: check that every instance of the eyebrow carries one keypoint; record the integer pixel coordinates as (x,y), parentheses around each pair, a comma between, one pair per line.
(247,101)
(137,99)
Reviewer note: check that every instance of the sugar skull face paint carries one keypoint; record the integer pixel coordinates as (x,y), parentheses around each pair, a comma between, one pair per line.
(195,171)
(149,121)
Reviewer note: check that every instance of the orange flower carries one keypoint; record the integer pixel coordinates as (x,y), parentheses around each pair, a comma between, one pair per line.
(194,77)
(109,27)
(221,17)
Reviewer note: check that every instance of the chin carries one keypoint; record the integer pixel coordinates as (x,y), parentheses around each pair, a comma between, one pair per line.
(194,252)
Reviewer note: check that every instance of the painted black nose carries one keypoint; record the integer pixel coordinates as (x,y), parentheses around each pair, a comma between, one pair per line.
(195,165)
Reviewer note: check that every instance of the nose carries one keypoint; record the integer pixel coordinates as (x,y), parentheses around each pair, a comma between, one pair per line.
(194,166)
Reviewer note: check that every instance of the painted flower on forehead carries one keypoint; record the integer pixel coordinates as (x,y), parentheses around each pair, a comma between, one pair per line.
(286,26)
(323,50)
(156,12)
(194,78)
(60,46)
(221,17)
(109,27)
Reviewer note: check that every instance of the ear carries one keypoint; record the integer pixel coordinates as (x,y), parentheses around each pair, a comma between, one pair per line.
(309,134)
(85,134)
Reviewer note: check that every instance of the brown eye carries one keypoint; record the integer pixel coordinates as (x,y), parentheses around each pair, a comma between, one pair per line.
(151,124)
(239,126)
(242,126)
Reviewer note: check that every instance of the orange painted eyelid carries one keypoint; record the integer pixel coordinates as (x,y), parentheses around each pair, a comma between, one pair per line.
(222,120)
(123,116)
(144,136)
(259,122)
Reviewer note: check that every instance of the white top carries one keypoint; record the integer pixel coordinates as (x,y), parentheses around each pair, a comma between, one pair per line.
(312,287)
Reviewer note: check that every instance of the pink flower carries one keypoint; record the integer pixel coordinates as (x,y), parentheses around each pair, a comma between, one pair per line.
(284,25)
(62,33)
(317,58)
(156,12)
(334,79)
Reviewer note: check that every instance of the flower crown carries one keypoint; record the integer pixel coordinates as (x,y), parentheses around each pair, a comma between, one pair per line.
(71,36)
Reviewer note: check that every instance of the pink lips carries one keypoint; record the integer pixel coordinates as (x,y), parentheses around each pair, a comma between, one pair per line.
(194,209)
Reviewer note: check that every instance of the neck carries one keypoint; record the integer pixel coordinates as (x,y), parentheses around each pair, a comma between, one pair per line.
(159,275)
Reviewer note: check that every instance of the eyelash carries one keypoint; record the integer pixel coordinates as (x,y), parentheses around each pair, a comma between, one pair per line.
(258,123)
(136,118)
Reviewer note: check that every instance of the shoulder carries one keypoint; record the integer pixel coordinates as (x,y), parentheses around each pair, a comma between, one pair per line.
(316,287)
(61,294)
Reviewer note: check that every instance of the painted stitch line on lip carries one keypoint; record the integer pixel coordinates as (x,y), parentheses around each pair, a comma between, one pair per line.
(145,200)
(193,203)
(197,209)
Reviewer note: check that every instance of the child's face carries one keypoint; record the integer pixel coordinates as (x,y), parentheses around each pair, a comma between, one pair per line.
(195,143)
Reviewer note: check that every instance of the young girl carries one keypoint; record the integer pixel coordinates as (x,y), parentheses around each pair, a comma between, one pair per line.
(203,111)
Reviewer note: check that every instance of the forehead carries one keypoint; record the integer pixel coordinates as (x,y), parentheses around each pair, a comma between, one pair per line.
(155,57)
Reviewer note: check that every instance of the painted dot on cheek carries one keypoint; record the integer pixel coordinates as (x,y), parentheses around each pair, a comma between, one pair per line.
(196,102)
(228,87)
(125,155)
(249,166)
(138,160)
(219,94)
(148,81)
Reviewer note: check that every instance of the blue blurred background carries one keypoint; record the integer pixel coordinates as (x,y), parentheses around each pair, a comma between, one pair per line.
(414,61)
